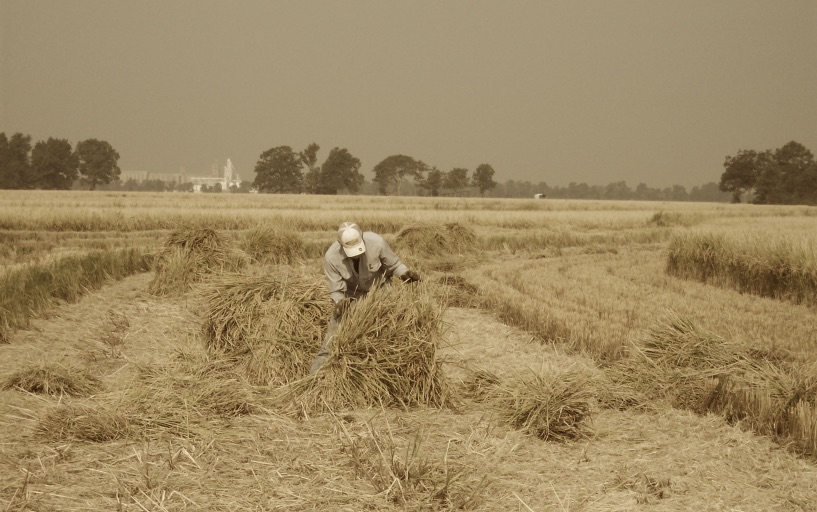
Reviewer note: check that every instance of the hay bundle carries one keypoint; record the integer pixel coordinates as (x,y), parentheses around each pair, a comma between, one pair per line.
(53,379)
(69,422)
(554,405)
(271,325)
(436,240)
(384,353)
(268,244)
(180,399)
(188,256)
(679,343)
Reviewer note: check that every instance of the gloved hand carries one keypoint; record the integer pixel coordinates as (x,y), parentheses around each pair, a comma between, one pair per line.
(342,306)
(411,277)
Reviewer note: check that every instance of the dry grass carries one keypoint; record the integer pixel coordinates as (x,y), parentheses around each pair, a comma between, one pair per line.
(190,255)
(270,324)
(456,292)
(384,353)
(53,379)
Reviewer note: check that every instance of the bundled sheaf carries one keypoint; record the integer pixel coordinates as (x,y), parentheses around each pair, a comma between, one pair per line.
(188,256)
(384,354)
(53,379)
(94,423)
(271,325)
(437,240)
(274,245)
(554,404)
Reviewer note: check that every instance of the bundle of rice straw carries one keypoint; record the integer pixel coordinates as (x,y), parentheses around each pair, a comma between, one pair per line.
(72,422)
(53,379)
(274,245)
(437,240)
(384,353)
(270,324)
(188,256)
(554,405)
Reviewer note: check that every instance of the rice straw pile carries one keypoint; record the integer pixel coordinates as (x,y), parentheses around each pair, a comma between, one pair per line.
(177,399)
(271,325)
(73,422)
(273,245)
(53,379)
(384,353)
(554,405)
(437,240)
(188,256)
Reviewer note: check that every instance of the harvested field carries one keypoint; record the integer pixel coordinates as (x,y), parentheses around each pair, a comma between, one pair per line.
(556,366)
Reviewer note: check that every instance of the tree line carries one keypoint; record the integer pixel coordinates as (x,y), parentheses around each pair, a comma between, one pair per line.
(283,170)
(786,175)
(53,164)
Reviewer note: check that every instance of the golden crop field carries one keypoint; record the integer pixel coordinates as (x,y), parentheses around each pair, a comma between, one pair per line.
(558,355)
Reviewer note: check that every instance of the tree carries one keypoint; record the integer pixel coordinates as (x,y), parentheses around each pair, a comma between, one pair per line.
(741,172)
(98,162)
(483,178)
(393,169)
(278,170)
(456,179)
(54,164)
(796,164)
(340,171)
(433,182)
(15,161)
(787,175)
(312,178)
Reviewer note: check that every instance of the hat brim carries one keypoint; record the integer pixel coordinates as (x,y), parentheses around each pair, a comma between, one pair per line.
(355,250)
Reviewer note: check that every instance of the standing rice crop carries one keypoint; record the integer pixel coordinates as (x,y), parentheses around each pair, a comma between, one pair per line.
(769,266)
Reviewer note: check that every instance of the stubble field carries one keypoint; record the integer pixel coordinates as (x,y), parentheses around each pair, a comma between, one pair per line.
(668,349)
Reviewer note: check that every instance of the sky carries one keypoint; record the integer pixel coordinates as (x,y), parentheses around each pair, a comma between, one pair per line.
(593,91)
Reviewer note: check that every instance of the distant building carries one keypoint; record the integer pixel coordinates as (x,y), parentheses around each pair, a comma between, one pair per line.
(228,178)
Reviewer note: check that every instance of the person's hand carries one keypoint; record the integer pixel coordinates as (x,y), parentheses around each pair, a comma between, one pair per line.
(411,277)
(343,305)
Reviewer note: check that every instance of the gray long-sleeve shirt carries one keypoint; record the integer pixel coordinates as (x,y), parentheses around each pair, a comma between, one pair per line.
(378,262)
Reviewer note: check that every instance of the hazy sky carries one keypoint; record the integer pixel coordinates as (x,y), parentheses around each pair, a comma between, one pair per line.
(589,91)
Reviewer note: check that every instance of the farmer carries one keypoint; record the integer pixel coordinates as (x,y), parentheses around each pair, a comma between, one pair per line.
(357,262)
